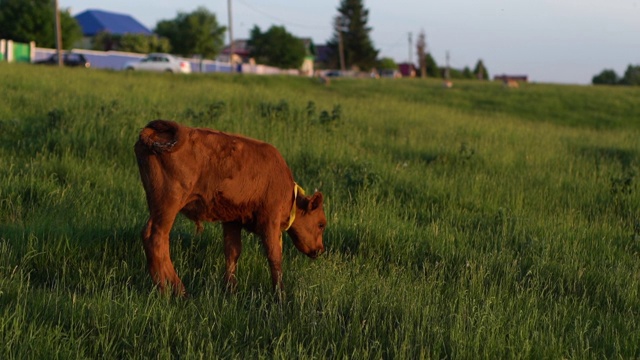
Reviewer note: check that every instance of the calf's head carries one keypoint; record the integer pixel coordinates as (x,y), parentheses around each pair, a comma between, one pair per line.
(309,224)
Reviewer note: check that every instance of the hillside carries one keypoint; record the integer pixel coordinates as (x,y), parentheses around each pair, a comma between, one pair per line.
(472,222)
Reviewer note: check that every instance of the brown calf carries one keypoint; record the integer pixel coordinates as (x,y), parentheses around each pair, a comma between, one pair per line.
(209,175)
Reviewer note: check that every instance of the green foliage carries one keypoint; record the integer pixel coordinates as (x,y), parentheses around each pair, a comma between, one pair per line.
(387,63)
(352,27)
(137,43)
(456,74)
(470,222)
(281,111)
(34,20)
(432,66)
(453,73)
(609,77)
(466,73)
(276,47)
(606,77)
(631,76)
(480,71)
(195,33)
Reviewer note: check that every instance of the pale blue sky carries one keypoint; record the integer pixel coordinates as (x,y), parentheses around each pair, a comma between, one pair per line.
(565,41)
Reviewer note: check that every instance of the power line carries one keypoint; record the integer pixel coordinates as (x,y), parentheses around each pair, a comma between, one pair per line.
(399,42)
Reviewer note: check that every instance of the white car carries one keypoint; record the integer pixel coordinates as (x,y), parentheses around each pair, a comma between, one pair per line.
(160,62)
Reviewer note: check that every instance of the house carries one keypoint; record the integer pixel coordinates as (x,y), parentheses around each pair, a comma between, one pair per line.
(324,54)
(94,22)
(407,69)
(242,54)
(506,78)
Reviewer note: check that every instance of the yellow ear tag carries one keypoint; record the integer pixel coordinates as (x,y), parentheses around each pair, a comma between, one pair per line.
(292,216)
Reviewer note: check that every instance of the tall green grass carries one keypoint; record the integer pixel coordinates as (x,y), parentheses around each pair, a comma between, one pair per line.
(472,222)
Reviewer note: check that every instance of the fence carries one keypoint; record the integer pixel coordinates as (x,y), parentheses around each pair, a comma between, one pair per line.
(115,60)
(11,51)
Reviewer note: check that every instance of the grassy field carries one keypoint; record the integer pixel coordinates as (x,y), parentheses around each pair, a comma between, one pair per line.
(472,222)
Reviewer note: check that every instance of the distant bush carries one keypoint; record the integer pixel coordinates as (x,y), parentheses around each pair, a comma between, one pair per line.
(137,43)
(610,77)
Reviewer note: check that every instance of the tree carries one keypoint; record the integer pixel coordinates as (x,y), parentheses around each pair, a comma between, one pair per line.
(466,73)
(609,77)
(34,20)
(631,76)
(455,74)
(353,31)
(606,77)
(421,49)
(194,33)
(138,43)
(387,63)
(276,47)
(432,67)
(480,71)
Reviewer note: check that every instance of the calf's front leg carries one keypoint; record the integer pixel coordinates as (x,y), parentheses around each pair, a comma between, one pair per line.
(272,241)
(232,233)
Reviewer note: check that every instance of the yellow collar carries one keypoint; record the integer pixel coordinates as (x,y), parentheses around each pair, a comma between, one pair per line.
(292,216)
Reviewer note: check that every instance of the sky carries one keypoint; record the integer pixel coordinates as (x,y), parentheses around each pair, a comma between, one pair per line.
(551,41)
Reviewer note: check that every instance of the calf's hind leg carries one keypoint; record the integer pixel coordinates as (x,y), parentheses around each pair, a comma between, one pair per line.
(155,239)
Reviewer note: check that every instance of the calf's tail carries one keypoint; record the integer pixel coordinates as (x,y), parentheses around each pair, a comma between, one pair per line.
(161,136)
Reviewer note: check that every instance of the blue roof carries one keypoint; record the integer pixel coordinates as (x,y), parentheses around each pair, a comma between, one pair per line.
(94,21)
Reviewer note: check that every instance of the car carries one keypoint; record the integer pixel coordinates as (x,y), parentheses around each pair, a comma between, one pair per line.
(160,62)
(333,73)
(68,59)
(390,73)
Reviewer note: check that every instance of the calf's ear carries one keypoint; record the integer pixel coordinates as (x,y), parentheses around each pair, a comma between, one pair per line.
(315,201)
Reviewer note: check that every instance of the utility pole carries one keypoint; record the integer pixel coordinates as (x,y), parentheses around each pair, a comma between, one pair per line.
(447,72)
(58,33)
(410,49)
(339,27)
(422,53)
(231,47)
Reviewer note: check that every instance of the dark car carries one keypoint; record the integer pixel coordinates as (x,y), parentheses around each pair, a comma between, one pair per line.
(69,59)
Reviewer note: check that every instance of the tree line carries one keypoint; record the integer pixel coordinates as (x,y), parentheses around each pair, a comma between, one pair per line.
(610,77)
(188,34)
(26,21)
(199,33)
(427,66)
